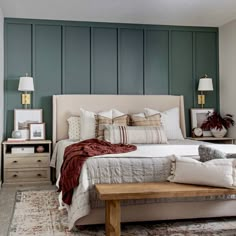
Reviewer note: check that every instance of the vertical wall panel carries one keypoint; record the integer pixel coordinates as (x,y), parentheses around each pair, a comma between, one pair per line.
(131,61)
(77,60)
(18,60)
(47,69)
(182,69)
(206,63)
(156,62)
(75,57)
(104,61)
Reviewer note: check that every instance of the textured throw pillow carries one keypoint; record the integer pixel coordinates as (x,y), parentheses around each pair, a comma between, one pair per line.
(103,121)
(218,172)
(134,134)
(74,127)
(145,120)
(170,120)
(208,152)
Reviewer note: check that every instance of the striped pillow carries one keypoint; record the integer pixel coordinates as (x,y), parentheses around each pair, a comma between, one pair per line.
(142,120)
(74,127)
(102,121)
(135,134)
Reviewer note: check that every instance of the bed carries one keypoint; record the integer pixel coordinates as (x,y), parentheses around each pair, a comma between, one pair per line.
(85,208)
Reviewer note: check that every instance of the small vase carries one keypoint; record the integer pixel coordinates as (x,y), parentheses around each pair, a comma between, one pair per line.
(40,149)
(219,133)
(16,134)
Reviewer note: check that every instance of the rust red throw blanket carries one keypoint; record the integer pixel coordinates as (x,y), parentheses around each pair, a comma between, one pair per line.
(74,157)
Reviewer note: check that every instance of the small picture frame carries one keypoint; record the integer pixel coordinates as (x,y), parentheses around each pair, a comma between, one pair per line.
(198,116)
(37,131)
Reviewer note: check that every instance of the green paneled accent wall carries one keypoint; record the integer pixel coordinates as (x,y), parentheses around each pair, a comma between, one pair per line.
(130,61)
(18,58)
(47,68)
(207,63)
(156,62)
(104,61)
(182,67)
(76,60)
(106,58)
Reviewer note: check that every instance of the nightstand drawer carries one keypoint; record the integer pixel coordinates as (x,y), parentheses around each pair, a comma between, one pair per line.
(25,162)
(36,175)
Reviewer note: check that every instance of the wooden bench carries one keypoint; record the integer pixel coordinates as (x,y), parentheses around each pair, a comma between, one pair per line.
(114,193)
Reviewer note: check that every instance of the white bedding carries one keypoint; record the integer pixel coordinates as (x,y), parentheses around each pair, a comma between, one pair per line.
(149,163)
(185,147)
(178,147)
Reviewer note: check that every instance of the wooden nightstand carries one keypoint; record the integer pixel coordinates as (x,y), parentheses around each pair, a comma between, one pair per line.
(224,140)
(26,168)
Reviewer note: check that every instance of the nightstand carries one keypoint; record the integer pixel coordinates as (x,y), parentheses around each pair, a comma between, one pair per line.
(224,140)
(23,164)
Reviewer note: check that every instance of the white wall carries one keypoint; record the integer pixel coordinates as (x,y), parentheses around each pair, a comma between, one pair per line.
(227,61)
(1,83)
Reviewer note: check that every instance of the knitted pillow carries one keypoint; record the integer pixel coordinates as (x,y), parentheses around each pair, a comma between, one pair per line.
(207,152)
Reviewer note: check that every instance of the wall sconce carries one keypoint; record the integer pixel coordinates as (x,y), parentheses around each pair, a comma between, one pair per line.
(205,84)
(26,84)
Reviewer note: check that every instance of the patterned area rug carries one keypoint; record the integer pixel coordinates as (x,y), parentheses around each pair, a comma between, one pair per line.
(36,213)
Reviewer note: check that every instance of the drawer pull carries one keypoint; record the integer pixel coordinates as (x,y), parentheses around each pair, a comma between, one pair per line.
(14,176)
(39,175)
(14,161)
(39,161)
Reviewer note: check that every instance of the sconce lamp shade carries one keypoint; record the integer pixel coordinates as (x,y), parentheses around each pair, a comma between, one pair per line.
(26,84)
(205,84)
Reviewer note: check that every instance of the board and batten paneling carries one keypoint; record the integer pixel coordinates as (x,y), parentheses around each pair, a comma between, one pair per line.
(207,63)
(47,71)
(18,59)
(76,60)
(106,58)
(156,62)
(182,68)
(104,61)
(130,61)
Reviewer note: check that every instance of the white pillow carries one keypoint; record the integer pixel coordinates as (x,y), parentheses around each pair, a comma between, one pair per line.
(88,121)
(116,113)
(87,124)
(74,127)
(217,172)
(170,121)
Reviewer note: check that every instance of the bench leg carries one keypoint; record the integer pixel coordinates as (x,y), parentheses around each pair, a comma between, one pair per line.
(113,218)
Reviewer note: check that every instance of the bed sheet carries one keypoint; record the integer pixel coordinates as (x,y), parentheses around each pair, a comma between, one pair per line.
(178,147)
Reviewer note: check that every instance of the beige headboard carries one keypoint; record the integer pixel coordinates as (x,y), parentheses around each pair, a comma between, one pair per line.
(66,105)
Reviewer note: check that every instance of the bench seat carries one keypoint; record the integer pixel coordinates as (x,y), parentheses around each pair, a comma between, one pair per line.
(112,194)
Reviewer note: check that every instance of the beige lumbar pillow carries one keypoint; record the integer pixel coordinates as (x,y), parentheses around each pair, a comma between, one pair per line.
(135,134)
(141,119)
(217,173)
(111,117)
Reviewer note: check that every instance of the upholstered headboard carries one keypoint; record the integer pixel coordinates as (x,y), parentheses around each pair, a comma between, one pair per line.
(66,105)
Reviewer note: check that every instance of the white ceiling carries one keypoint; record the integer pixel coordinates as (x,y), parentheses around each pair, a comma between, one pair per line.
(163,12)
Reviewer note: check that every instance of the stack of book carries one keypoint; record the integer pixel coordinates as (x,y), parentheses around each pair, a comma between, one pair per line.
(16,139)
